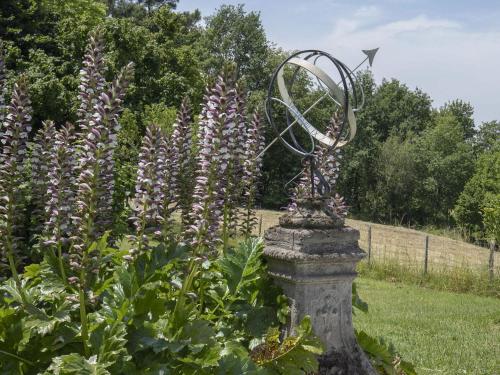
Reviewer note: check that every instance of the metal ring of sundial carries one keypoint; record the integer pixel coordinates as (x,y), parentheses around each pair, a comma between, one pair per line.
(333,91)
(353,85)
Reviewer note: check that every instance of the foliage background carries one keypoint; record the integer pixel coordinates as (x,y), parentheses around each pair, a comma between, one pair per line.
(409,164)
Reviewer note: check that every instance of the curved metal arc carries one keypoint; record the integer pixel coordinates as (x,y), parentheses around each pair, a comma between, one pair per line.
(353,82)
(334,90)
(268,108)
(294,112)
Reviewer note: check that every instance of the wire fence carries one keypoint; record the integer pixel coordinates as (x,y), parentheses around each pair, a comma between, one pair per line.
(411,248)
(424,251)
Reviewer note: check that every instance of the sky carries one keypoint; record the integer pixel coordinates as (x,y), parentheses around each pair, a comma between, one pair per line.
(449,49)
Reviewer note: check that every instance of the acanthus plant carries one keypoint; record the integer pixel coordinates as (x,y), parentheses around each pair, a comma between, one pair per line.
(254,144)
(327,160)
(212,163)
(148,200)
(184,159)
(92,81)
(14,136)
(3,84)
(228,168)
(235,139)
(93,202)
(329,163)
(168,165)
(40,160)
(95,164)
(60,193)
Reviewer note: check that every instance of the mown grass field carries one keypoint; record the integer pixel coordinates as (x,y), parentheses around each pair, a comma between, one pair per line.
(440,332)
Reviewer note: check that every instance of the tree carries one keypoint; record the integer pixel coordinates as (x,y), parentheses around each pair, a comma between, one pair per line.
(479,194)
(391,110)
(45,39)
(397,179)
(446,163)
(491,217)
(137,9)
(463,112)
(233,36)
(397,110)
(163,47)
(487,136)
(154,4)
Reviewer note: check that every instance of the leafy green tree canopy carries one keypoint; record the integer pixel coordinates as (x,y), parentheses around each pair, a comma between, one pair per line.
(234,36)
(480,193)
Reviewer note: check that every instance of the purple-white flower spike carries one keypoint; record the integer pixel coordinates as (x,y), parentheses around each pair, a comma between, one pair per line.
(93,204)
(91,86)
(251,173)
(105,119)
(234,141)
(208,201)
(183,161)
(41,159)
(3,86)
(168,174)
(14,136)
(327,161)
(228,184)
(148,199)
(60,187)
(92,82)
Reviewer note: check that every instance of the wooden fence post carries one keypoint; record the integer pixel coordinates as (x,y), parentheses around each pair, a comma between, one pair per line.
(426,257)
(369,244)
(491,262)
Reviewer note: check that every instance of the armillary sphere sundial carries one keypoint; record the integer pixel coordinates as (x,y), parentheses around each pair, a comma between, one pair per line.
(312,255)
(331,83)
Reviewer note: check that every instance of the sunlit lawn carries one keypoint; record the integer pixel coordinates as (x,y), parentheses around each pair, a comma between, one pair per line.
(440,332)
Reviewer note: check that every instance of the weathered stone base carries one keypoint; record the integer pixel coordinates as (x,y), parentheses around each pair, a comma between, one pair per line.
(316,267)
(335,363)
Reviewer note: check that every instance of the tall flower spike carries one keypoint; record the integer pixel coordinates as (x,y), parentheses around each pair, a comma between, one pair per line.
(183,160)
(41,158)
(168,174)
(252,170)
(148,197)
(327,161)
(93,204)
(92,82)
(3,85)
(229,167)
(14,136)
(235,138)
(211,165)
(105,118)
(90,88)
(60,192)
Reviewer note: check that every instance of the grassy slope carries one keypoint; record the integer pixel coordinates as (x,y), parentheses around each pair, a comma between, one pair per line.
(440,332)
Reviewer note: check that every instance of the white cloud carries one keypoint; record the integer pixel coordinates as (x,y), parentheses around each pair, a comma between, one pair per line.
(367,12)
(438,55)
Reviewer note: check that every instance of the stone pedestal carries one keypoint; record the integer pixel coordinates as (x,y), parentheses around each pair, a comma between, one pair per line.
(313,256)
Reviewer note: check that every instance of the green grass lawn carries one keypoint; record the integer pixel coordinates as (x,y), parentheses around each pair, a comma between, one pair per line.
(440,332)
